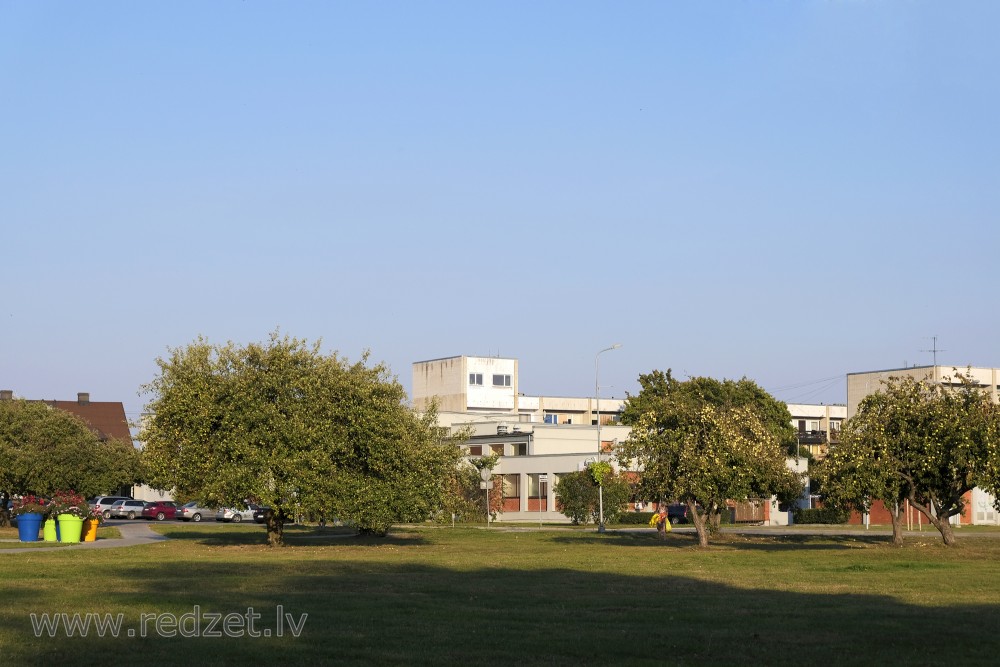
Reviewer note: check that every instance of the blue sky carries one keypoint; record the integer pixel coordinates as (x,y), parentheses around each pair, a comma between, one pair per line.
(789,191)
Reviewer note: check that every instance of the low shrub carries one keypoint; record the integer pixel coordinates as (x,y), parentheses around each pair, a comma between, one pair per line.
(634,518)
(820,515)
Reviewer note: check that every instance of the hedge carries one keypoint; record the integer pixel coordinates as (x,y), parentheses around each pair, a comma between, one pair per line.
(820,515)
(634,518)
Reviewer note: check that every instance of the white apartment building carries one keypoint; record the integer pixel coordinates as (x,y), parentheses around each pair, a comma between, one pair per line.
(817,426)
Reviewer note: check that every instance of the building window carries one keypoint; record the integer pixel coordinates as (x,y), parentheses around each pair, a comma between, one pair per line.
(511,486)
(475,450)
(476,379)
(500,380)
(533,490)
(520,449)
(551,419)
(497,449)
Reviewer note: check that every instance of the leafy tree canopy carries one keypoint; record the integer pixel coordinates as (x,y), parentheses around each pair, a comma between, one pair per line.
(704,442)
(44,449)
(658,387)
(577,493)
(296,430)
(929,443)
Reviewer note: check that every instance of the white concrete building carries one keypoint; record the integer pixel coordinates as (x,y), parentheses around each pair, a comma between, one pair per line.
(539,438)
(489,386)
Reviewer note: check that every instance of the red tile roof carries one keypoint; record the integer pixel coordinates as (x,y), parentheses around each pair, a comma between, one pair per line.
(106,418)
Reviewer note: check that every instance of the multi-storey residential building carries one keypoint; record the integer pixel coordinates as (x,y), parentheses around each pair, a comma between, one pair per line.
(817,426)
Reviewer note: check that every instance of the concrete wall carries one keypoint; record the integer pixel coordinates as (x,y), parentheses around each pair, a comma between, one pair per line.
(445,379)
(860,385)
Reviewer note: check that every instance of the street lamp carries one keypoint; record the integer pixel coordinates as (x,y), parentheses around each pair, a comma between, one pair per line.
(597,392)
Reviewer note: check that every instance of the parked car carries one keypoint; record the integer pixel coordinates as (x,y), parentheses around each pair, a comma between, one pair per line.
(126,509)
(236,515)
(677,513)
(104,503)
(258,515)
(192,511)
(160,510)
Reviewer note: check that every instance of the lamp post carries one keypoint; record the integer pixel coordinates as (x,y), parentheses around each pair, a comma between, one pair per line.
(597,393)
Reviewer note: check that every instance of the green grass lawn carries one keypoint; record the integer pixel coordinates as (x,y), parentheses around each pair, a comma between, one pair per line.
(471,596)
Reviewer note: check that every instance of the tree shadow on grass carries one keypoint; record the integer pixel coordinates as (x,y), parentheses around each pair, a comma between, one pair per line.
(367,611)
(748,542)
(318,537)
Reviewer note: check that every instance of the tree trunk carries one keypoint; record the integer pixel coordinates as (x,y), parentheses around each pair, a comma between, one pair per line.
(4,514)
(715,520)
(699,524)
(941,523)
(897,525)
(275,528)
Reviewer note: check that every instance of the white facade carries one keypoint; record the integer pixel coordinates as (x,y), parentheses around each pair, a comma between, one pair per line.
(529,451)
(540,437)
(489,386)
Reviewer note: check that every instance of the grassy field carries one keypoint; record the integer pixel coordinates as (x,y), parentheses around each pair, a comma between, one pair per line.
(465,595)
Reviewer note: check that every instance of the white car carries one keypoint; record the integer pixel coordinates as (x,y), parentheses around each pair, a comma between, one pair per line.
(235,515)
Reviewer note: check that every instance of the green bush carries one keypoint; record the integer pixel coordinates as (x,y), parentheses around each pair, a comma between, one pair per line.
(820,515)
(634,518)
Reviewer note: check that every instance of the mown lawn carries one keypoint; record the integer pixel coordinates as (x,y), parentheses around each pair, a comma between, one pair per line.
(558,597)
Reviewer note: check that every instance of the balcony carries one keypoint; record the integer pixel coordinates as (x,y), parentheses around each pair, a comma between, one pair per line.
(812,437)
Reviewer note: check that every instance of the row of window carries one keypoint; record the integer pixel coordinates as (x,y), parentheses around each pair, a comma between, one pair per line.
(512,485)
(476,380)
(517,449)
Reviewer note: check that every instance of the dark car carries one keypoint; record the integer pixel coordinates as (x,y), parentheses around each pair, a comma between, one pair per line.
(160,510)
(259,515)
(677,513)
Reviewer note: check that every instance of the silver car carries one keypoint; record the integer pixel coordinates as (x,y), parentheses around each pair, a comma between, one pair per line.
(104,503)
(126,509)
(236,515)
(193,512)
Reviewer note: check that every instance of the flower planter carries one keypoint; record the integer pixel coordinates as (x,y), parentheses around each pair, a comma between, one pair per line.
(50,531)
(70,528)
(27,527)
(90,530)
